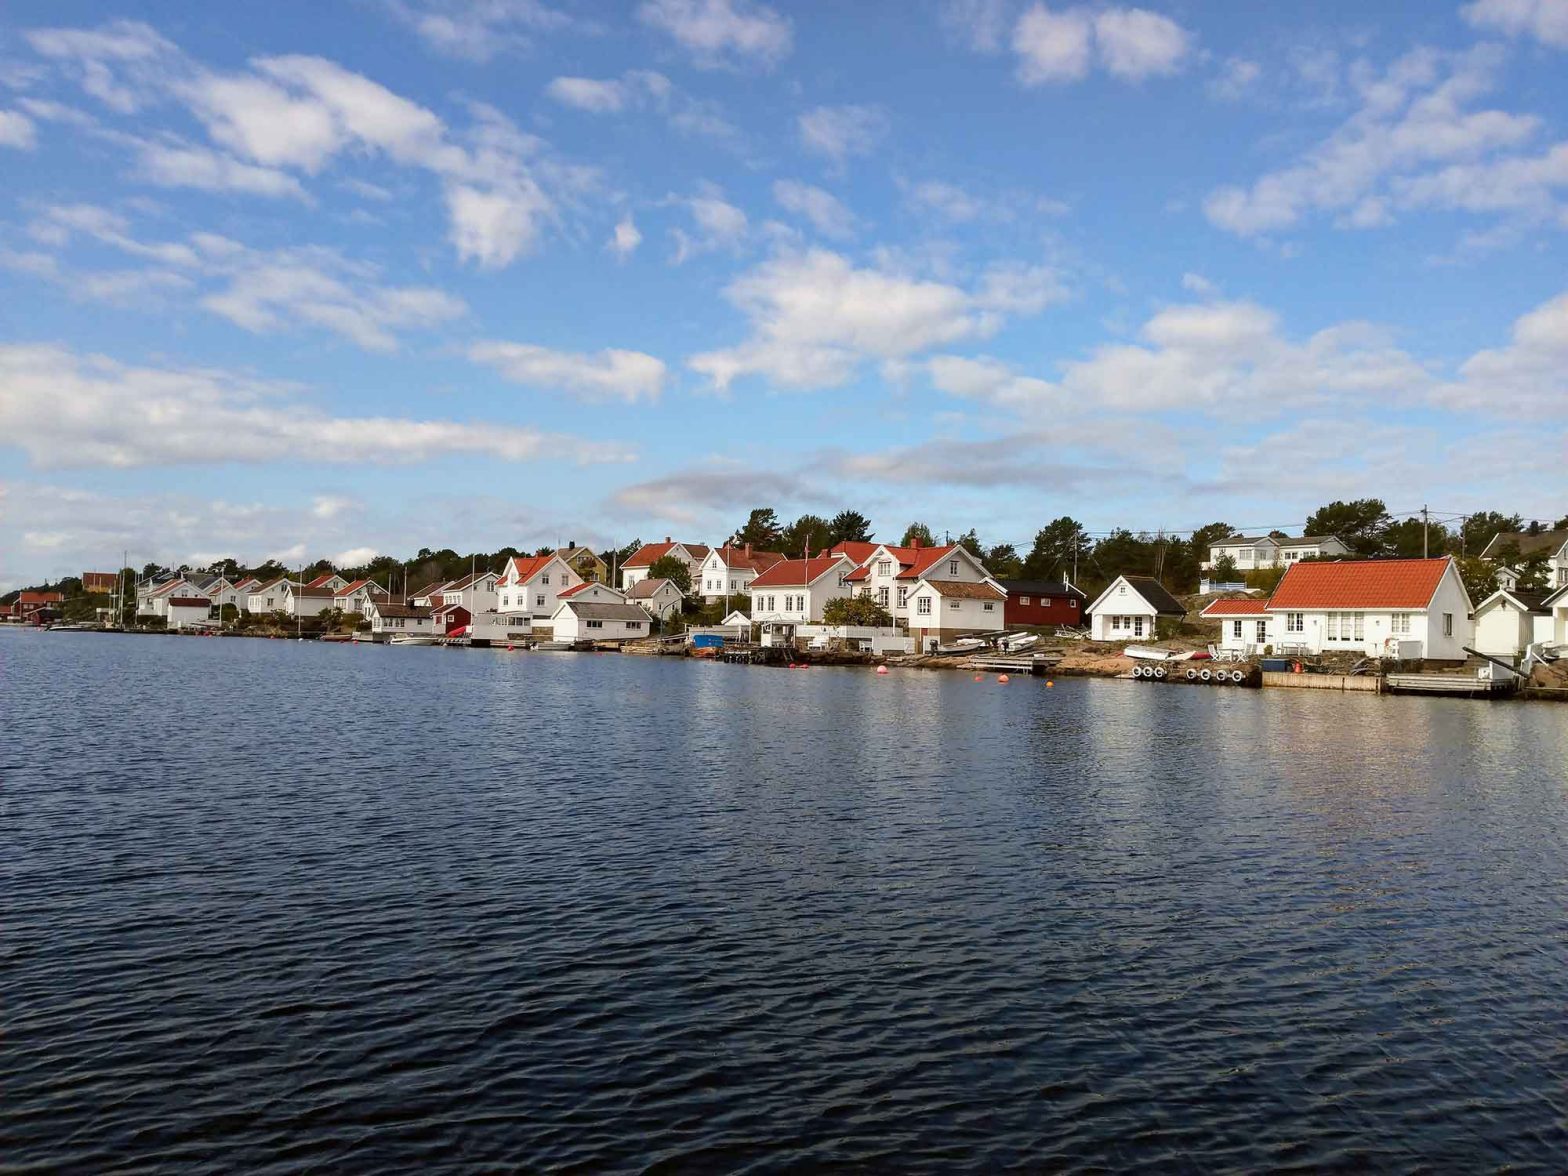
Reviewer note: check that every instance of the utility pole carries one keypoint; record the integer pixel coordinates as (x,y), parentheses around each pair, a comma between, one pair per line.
(1425,518)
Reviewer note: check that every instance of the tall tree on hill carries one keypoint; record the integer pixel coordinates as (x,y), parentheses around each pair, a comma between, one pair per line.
(970,542)
(917,533)
(1002,562)
(850,526)
(1121,553)
(1361,523)
(1481,528)
(761,530)
(1410,538)
(1057,547)
(808,535)
(667,567)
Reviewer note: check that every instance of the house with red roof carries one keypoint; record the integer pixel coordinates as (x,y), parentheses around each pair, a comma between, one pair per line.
(530,586)
(639,563)
(937,593)
(100,583)
(327,580)
(729,570)
(185,610)
(478,592)
(1245,624)
(1405,608)
(354,596)
(795,591)
(38,608)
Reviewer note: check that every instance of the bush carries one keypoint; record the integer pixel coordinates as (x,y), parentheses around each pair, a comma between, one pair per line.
(1265,579)
(856,610)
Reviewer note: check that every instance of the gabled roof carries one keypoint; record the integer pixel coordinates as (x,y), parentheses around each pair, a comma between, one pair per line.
(797,573)
(1236,607)
(246,584)
(650,553)
(350,589)
(599,610)
(738,557)
(922,559)
(1042,588)
(1245,541)
(467,582)
(523,567)
(1549,542)
(1530,602)
(429,590)
(168,586)
(859,552)
(390,608)
(189,602)
(967,590)
(258,589)
(1152,592)
(320,592)
(647,589)
(324,578)
(41,598)
(572,553)
(1360,584)
(1558,597)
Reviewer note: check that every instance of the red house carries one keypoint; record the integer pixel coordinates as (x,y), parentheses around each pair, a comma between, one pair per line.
(99,583)
(1042,602)
(37,608)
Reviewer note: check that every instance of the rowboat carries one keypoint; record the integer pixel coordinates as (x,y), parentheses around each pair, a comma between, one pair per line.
(411,639)
(1154,653)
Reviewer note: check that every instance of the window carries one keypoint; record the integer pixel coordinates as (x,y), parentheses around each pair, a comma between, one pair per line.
(1361,628)
(884,567)
(903,596)
(1448,624)
(732,585)
(634,624)
(882,596)
(954,604)
(923,606)
(1121,590)
(1137,626)
(594,624)
(1295,622)
(1023,600)
(1235,630)
(545,579)
(539,600)
(771,605)
(990,606)
(1399,624)
(1262,632)
(952,567)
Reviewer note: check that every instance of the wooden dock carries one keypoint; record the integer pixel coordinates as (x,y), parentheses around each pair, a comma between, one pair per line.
(1463,685)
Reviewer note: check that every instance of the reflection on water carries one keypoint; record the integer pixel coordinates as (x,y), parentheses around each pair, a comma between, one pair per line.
(273,905)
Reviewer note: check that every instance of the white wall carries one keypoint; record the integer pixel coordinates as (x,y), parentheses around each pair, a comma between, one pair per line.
(1247,640)
(1502,629)
(514,598)
(570,627)
(179,616)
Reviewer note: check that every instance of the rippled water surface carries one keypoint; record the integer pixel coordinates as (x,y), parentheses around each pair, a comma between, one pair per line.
(271,906)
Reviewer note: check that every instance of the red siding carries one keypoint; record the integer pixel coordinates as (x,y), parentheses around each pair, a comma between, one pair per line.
(1042,610)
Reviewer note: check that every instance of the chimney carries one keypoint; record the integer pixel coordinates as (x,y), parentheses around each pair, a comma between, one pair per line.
(915,543)
(667,539)
(748,551)
(571,545)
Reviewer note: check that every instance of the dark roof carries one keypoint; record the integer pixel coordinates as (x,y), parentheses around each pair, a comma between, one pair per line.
(388,608)
(190,601)
(1534,602)
(1547,541)
(966,590)
(589,610)
(1154,592)
(647,588)
(1040,588)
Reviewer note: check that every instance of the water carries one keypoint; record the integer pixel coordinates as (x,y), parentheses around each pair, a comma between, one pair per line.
(271,906)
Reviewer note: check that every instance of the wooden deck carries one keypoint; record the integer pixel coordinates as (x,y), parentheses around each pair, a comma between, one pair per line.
(1465,685)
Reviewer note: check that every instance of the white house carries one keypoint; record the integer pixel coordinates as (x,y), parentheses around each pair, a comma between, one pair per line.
(1510,619)
(328,580)
(639,563)
(577,619)
(1245,625)
(530,585)
(182,611)
(661,598)
(478,593)
(388,618)
(729,571)
(891,576)
(794,591)
(155,602)
(352,598)
(1251,552)
(1553,544)
(942,609)
(1405,608)
(308,601)
(1554,627)
(271,596)
(1129,609)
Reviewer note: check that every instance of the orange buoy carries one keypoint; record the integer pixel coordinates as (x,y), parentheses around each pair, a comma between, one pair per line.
(979,677)
(1049,685)
(1004,678)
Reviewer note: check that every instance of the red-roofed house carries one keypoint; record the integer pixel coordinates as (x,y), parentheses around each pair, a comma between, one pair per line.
(858,553)
(183,610)
(352,598)
(37,608)
(640,561)
(1245,624)
(328,580)
(1409,608)
(794,591)
(729,571)
(894,578)
(100,583)
(530,586)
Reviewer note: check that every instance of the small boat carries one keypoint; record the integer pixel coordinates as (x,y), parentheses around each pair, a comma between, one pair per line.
(1154,653)
(1021,642)
(412,639)
(962,645)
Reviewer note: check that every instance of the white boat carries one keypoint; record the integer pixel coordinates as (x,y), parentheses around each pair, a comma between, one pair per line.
(412,639)
(1153,653)
(963,645)
(1021,642)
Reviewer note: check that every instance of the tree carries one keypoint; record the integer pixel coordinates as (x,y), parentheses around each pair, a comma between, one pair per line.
(1225,569)
(1058,546)
(850,526)
(856,610)
(917,533)
(1481,528)
(1410,539)
(1479,576)
(807,535)
(1361,523)
(1002,562)
(970,542)
(761,530)
(668,567)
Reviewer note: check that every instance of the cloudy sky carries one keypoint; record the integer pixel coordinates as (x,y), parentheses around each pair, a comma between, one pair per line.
(310,278)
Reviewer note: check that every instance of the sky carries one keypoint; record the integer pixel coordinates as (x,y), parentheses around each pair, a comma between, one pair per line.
(329,279)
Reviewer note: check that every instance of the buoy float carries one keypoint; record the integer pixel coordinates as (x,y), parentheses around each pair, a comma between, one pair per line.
(979,677)
(1004,678)
(1049,685)
(881,669)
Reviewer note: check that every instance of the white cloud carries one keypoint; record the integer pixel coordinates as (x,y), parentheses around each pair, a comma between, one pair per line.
(825,211)
(815,317)
(1528,378)
(1199,285)
(178,166)
(1128,43)
(1545,20)
(610,95)
(1414,121)
(722,32)
(611,375)
(717,224)
(67,409)
(330,506)
(841,131)
(494,226)
(354,557)
(1235,80)
(17,130)
(981,24)
(947,200)
(477,30)
(118,63)
(624,240)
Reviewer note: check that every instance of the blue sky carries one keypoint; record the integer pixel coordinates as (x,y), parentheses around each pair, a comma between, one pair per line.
(313,279)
